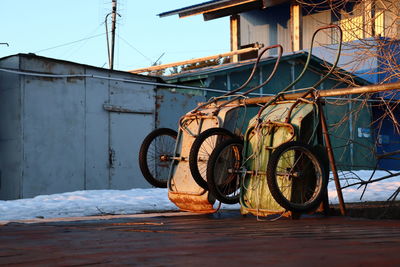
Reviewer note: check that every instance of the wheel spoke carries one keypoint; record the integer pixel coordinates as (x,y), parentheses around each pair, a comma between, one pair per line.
(155,154)
(223,182)
(295,177)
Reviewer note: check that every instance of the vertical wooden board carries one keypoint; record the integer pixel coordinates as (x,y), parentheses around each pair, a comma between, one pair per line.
(235,35)
(297,25)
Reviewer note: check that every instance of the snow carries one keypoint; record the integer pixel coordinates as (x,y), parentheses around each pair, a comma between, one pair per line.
(134,201)
(377,191)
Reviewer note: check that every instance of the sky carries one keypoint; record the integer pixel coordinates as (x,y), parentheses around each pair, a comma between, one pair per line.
(135,201)
(74,30)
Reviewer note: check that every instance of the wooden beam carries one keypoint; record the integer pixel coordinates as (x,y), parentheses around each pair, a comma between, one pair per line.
(296,19)
(235,35)
(196,60)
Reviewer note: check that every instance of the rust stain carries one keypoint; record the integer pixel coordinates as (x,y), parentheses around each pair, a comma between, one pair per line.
(74,79)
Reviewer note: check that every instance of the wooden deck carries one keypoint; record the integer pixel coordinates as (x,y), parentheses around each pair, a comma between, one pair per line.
(222,239)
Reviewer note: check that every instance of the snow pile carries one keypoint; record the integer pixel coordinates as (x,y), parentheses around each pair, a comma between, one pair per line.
(87,203)
(105,202)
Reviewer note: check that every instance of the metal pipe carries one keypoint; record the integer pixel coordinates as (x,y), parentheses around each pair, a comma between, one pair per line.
(323,93)
(108,41)
(331,158)
(375,88)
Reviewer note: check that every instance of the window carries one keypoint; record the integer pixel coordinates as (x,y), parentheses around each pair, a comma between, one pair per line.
(352,28)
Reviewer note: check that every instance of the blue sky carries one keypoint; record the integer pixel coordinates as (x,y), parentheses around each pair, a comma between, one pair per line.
(45,27)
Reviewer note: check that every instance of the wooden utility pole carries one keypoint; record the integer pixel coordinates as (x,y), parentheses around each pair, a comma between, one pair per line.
(113,26)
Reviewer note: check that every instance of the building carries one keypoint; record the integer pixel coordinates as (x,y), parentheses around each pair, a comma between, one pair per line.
(66,126)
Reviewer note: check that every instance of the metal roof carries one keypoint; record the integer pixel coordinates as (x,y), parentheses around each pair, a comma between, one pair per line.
(220,8)
(195,74)
(192,7)
(64,62)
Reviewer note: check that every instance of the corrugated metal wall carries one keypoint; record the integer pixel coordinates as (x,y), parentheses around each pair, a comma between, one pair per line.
(311,22)
(11,148)
(172,104)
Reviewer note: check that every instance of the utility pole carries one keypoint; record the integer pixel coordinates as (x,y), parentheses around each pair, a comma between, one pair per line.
(113,26)
(113,14)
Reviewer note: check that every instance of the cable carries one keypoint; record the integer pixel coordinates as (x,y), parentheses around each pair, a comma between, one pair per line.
(73,51)
(134,48)
(69,43)
(112,79)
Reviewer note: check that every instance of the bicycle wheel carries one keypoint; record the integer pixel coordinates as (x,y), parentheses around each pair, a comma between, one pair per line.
(155,156)
(201,150)
(296,177)
(223,171)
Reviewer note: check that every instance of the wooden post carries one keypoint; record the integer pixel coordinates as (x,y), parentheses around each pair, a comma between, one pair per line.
(296,19)
(332,163)
(235,35)
(369,16)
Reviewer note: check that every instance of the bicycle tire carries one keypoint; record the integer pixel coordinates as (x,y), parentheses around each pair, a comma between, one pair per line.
(296,177)
(201,150)
(155,156)
(223,183)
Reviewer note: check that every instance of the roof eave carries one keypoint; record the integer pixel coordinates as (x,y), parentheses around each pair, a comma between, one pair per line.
(215,7)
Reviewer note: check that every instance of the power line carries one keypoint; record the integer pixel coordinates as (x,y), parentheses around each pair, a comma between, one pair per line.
(134,48)
(69,43)
(71,51)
